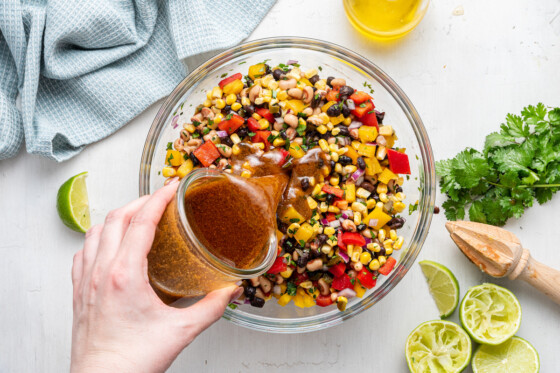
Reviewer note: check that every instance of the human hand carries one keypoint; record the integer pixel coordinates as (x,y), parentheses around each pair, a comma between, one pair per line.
(120,325)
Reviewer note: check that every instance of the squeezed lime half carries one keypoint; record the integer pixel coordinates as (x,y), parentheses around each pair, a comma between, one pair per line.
(515,355)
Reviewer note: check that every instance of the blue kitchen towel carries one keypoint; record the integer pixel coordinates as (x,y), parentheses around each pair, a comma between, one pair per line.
(84,68)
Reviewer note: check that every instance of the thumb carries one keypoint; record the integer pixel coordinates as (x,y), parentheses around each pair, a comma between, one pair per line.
(209,309)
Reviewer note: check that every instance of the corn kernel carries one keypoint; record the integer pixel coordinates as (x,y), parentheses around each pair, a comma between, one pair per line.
(381,152)
(399,207)
(388,250)
(263,124)
(349,250)
(246,173)
(293,228)
(371,203)
(259,101)
(374,265)
(398,243)
(311,203)
(323,207)
(330,126)
(209,95)
(317,189)
(383,197)
(329,231)
(347,121)
(334,156)
(325,170)
(338,168)
(245,101)
(388,243)
(266,93)
(207,103)
(381,235)
(282,95)
(335,131)
(168,172)
(278,142)
(322,130)
(333,209)
(400,196)
(311,180)
(359,207)
(218,118)
(190,128)
(356,256)
(382,259)
(321,84)
(363,193)
(259,145)
(235,106)
(310,73)
(357,218)
(334,180)
(386,131)
(350,169)
(324,117)
(235,149)
(393,234)
(265,81)
(273,85)
(235,139)
(326,249)
(365,258)
(217,92)
(287,273)
(341,303)
(381,188)
(333,147)
(256,116)
(376,247)
(231,98)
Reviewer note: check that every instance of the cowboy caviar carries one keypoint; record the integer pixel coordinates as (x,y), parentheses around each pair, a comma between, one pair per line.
(341,235)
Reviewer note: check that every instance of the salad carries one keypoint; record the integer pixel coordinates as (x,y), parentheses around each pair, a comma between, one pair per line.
(338,220)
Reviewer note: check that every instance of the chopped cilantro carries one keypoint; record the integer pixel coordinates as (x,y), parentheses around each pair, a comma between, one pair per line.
(229,116)
(205,130)
(251,134)
(301,129)
(294,220)
(338,216)
(302,243)
(363,104)
(320,68)
(241,63)
(291,288)
(232,306)
(196,135)
(169,146)
(412,208)
(223,75)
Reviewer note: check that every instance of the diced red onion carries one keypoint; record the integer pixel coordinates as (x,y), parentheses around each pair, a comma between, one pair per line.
(354,125)
(324,222)
(246,301)
(373,223)
(334,224)
(291,62)
(356,175)
(371,143)
(174,121)
(351,105)
(348,293)
(344,256)
(348,213)
(368,240)
(222,134)
(344,216)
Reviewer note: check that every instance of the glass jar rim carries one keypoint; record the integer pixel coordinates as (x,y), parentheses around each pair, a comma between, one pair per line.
(201,250)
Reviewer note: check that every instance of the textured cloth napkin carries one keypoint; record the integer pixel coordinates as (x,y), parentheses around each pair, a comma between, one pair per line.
(84,68)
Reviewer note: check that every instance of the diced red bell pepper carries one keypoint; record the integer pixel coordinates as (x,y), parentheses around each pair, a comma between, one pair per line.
(300,277)
(370,119)
(353,238)
(266,114)
(261,136)
(341,204)
(332,190)
(207,153)
(359,96)
(388,266)
(363,108)
(278,266)
(253,125)
(339,241)
(342,282)
(333,95)
(284,156)
(366,279)
(398,162)
(331,216)
(338,269)
(324,300)
(230,79)
(231,125)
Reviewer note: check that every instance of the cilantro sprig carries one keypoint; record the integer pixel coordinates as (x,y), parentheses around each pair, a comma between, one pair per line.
(519,164)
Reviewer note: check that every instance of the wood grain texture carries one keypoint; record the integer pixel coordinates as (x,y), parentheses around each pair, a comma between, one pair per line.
(463,74)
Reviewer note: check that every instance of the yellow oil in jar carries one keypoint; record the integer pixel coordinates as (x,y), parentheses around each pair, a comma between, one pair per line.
(385,19)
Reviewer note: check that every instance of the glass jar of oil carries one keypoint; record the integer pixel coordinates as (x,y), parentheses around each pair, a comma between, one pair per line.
(385,19)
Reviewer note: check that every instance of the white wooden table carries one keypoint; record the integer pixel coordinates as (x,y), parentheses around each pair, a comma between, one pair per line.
(463,73)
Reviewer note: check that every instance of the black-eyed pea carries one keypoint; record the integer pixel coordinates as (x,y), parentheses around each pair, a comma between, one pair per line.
(291,120)
(255,281)
(224,150)
(315,265)
(323,287)
(308,111)
(287,84)
(185,135)
(307,94)
(207,113)
(266,285)
(338,82)
(278,126)
(179,144)
(255,92)
(296,93)
(291,133)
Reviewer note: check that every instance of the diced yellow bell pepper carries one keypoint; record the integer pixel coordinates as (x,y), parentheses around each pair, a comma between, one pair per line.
(234,87)
(359,289)
(284,299)
(174,158)
(350,192)
(367,150)
(185,168)
(326,106)
(305,81)
(257,71)
(307,299)
(386,176)
(390,141)
(372,166)
(295,150)
(292,216)
(279,235)
(337,120)
(352,153)
(296,106)
(298,300)
(377,213)
(367,133)
(304,233)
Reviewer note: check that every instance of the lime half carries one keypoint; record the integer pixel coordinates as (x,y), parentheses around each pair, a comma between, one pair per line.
(491,314)
(443,286)
(515,355)
(72,203)
(438,346)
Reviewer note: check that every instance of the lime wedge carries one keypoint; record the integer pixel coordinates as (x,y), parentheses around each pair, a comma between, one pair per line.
(72,203)
(491,314)
(438,346)
(515,355)
(443,286)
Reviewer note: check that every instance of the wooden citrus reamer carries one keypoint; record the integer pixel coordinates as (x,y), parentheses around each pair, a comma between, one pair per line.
(500,253)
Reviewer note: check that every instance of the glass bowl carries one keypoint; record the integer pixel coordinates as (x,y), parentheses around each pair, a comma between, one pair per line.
(333,60)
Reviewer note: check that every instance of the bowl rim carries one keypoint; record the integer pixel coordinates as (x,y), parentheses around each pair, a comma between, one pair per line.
(427,177)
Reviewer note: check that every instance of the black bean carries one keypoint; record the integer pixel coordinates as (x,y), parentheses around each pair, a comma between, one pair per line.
(194,159)
(381,252)
(343,130)
(367,186)
(399,189)
(361,227)
(249,81)
(266,69)
(329,80)
(277,114)
(242,132)
(249,291)
(361,163)
(226,109)
(315,276)
(322,238)
(330,198)
(314,254)
(314,79)
(316,100)
(289,245)
(283,135)
(249,109)
(436,210)
(277,74)
(303,259)
(334,110)
(345,111)
(345,91)
(257,302)
(226,141)
(396,223)
(332,164)
(379,116)
(304,184)
(344,160)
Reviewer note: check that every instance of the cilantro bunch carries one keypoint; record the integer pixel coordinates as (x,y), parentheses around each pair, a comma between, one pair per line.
(519,164)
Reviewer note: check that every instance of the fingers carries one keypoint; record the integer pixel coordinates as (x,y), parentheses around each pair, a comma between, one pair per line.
(209,309)
(116,224)
(139,237)
(77,267)
(89,251)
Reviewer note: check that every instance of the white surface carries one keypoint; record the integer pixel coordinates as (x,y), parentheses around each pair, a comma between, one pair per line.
(463,73)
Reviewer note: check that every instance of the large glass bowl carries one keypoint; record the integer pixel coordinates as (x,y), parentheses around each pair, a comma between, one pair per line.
(388,97)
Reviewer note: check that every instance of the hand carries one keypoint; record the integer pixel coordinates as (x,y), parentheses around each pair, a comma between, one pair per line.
(120,325)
